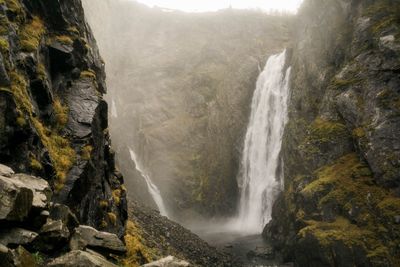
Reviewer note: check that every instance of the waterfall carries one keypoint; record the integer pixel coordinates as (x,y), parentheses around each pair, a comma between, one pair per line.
(114,112)
(259,178)
(153,189)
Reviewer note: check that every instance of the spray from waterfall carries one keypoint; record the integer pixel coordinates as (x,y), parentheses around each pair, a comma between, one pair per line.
(259,178)
(153,189)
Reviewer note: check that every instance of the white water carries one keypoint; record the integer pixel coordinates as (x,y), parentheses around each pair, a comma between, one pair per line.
(258,180)
(153,189)
(114,112)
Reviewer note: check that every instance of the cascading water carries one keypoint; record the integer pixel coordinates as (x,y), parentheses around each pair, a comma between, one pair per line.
(259,179)
(153,189)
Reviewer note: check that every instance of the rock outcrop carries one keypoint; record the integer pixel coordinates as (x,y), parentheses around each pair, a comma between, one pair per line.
(42,235)
(341,145)
(53,119)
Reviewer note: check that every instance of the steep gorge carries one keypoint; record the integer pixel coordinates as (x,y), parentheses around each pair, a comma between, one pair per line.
(182,84)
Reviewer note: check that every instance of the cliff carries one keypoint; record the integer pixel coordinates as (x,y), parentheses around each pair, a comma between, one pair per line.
(53,119)
(341,204)
(182,84)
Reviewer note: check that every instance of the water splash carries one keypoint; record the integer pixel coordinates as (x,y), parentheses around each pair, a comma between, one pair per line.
(153,189)
(259,178)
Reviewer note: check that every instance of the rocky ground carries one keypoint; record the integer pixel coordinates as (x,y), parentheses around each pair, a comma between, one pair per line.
(169,238)
(37,232)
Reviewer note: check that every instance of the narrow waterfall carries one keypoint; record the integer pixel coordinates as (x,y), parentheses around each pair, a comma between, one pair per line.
(258,180)
(114,112)
(153,189)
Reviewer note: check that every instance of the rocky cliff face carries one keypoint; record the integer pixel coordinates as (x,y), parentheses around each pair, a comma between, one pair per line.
(53,119)
(182,85)
(341,204)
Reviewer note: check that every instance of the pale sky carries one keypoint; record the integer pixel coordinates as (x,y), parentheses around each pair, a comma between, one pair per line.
(213,5)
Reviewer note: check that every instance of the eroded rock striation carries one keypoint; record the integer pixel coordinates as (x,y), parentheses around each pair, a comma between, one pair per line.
(341,145)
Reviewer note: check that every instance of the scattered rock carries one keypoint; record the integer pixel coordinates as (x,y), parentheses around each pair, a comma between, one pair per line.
(86,236)
(169,261)
(78,258)
(63,213)
(266,253)
(16,236)
(53,235)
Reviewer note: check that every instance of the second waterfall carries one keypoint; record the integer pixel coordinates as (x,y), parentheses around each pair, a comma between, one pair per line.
(260,178)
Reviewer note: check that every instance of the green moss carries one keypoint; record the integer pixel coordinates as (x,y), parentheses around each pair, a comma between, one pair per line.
(36,165)
(325,129)
(322,131)
(138,252)
(60,113)
(86,152)
(4,45)
(31,34)
(103,204)
(21,122)
(359,132)
(116,194)
(389,207)
(41,71)
(347,182)
(112,218)
(88,74)
(341,230)
(384,14)
(16,8)
(20,93)
(339,83)
(61,153)
(64,39)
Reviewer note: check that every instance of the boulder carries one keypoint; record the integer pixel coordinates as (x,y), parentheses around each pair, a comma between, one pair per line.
(169,261)
(86,236)
(16,200)
(78,258)
(21,192)
(63,213)
(20,257)
(16,236)
(5,171)
(52,235)
(41,190)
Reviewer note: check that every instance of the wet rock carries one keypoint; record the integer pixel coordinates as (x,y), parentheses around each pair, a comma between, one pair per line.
(53,235)
(16,236)
(5,171)
(169,261)
(86,236)
(266,253)
(78,258)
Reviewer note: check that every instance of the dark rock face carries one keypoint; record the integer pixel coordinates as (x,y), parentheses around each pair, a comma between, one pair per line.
(342,171)
(53,119)
(36,232)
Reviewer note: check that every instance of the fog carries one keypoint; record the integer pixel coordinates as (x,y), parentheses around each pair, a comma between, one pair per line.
(179,89)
